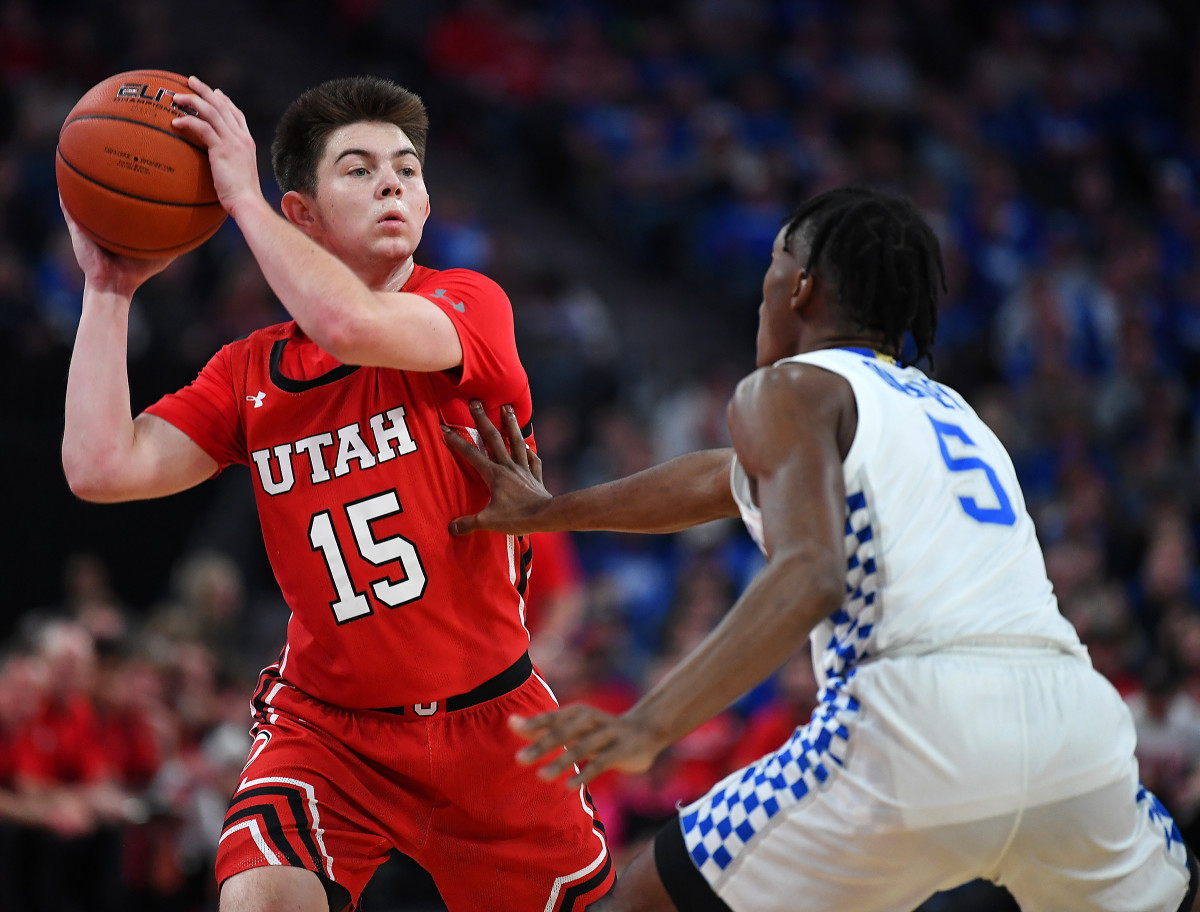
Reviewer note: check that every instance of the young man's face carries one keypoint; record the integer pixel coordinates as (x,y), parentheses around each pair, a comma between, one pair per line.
(371,200)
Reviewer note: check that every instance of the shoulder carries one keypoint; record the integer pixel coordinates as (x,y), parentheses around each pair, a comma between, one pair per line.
(778,407)
(460,280)
(787,386)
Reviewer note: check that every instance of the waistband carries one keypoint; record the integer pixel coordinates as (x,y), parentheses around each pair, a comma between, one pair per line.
(988,642)
(508,680)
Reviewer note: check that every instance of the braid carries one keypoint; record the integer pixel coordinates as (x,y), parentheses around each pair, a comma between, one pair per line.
(883,259)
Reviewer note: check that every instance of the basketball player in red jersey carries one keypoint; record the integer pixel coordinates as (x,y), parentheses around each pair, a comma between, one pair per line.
(383,724)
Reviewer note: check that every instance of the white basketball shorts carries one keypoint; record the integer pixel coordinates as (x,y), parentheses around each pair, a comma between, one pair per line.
(917,774)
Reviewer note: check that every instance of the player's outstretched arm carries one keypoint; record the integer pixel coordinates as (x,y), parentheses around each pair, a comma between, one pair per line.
(332,304)
(802,497)
(107,455)
(678,494)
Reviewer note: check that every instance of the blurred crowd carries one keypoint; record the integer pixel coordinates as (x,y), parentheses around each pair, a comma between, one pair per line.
(1053,144)
(120,743)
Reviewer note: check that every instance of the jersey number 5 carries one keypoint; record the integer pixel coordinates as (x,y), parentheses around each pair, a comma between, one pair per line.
(351,603)
(1000,515)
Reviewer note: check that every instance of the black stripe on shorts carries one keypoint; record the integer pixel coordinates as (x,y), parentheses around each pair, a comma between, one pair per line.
(296,802)
(575,891)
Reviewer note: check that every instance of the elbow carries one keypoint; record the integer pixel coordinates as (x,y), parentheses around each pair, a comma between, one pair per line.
(822,581)
(339,334)
(87,478)
(335,341)
(829,593)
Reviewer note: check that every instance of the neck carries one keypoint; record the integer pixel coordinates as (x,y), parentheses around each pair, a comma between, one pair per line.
(873,341)
(389,278)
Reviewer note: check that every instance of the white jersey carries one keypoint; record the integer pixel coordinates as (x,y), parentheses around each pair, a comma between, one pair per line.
(940,550)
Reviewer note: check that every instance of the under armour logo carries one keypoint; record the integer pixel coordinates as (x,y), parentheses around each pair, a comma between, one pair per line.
(459,306)
(257,399)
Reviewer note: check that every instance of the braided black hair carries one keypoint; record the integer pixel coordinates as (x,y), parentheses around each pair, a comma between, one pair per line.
(883,260)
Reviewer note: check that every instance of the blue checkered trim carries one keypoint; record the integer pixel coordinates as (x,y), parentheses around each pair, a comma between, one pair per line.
(1161,819)
(722,823)
(854,622)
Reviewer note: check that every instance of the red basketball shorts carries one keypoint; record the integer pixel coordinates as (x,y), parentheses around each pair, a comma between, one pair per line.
(333,790)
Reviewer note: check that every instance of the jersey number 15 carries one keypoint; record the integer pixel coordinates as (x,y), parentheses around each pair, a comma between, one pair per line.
(350,603)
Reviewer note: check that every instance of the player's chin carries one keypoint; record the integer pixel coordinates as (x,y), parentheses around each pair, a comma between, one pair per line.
(393,245)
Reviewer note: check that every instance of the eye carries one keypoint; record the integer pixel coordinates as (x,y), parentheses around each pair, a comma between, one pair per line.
(360,171)
(408,172)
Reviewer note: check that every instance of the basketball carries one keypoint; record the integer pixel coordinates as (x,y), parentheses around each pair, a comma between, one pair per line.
(132,183)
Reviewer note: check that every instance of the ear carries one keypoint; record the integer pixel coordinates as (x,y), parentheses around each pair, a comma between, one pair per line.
(300,211)
(802,290)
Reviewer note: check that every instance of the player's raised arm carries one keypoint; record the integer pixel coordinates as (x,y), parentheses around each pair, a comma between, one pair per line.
(802,494)
(107,455)
(675,495)
(336,263)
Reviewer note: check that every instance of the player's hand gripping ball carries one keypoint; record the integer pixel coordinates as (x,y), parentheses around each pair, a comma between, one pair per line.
(132,183)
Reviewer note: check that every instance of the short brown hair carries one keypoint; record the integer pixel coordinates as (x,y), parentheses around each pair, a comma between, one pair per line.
(300,137)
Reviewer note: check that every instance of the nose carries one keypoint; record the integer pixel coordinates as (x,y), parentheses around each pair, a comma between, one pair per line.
(389,182)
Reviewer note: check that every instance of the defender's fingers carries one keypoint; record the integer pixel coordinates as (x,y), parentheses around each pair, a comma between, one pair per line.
(588,752)
(563,728)
(535,466)
(467,450)
(516,440)
(491,437)
(584,750)
(464,525)
(600,763)
(558,722)
(583,777)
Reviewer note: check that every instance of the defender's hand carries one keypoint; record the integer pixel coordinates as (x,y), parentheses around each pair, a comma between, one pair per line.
(583,734)
(513,474)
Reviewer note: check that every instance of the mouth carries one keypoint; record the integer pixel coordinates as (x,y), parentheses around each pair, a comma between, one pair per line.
(391,217)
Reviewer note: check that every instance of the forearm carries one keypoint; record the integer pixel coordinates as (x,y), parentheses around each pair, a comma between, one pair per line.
(98,431)
(763,629)
(321,292)
(678,494)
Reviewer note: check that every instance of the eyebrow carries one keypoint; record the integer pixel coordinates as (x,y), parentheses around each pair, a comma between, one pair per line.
(399,153)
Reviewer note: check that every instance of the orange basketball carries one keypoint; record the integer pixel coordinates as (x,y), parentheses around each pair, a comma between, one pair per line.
(135,185)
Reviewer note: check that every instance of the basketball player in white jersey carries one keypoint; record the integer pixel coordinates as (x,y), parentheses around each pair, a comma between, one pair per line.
(961,731)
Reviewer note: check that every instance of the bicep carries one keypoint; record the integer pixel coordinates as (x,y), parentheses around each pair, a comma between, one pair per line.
(803,501)
(785,429)
(164,460)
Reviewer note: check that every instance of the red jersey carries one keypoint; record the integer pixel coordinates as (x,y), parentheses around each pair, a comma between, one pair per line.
(61,744)
(356,489)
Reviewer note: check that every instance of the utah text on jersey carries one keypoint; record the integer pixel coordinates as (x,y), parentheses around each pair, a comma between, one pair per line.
(275,464)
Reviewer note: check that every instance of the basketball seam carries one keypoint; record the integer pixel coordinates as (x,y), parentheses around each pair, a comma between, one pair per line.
(138,123)
(143,199)
(163,250)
